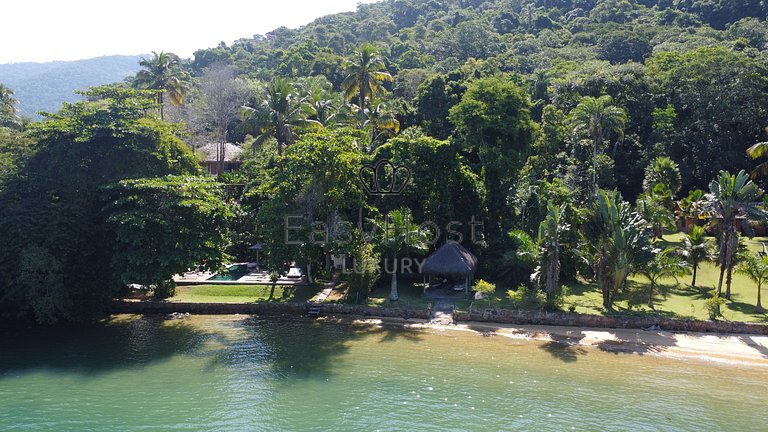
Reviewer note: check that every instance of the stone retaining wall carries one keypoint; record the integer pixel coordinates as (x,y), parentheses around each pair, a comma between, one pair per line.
(501,316)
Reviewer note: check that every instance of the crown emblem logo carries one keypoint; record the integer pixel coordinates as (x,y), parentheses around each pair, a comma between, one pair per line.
(384,178)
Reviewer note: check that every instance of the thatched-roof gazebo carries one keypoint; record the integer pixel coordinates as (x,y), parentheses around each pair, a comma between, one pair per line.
(454,261)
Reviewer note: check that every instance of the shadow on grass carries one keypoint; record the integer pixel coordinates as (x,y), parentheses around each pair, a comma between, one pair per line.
(694,292)
(746,309)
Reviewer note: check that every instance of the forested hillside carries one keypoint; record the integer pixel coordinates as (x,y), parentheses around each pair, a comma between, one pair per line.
(690,74)
(44,86)
(558,139)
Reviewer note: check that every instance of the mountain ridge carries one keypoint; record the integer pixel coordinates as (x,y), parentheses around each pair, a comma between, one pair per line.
(45,86)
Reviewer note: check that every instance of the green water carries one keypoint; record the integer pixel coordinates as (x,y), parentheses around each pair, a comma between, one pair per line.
(230,373)
(233,273)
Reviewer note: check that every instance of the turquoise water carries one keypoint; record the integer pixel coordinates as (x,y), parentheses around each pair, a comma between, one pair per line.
(231,373)
(233,273)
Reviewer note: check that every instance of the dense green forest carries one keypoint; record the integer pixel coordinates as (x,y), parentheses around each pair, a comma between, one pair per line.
(570,129)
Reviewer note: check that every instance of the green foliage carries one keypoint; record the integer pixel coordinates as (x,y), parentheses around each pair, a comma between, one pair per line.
(525,297)
(364,77)
(484,287)
(365,273)
(493,123)
(442,187)
(735,88)
(551,231)
(755,266)
(618,240)
(597,118)
(162,73)
(713,305)
(165,226)
(662,171)
(54,202)
(315,180)
(665,264)
(655,208)
(696,249)
(730,195)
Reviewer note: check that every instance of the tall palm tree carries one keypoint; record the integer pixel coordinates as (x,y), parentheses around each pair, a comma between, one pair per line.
(755,267)
(597,117)
(696,249)
(365,77)
(8,117)
(399,236)
(278,115)
(163,72)
(551,230)
(730,196)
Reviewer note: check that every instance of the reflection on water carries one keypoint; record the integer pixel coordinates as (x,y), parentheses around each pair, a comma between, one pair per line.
(243,374)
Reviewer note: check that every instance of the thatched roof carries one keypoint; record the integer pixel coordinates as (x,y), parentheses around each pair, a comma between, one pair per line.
(210,152)
(451,259)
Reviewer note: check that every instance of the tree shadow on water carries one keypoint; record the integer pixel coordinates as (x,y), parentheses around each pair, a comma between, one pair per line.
(97,348)
(301,348)
(567,352)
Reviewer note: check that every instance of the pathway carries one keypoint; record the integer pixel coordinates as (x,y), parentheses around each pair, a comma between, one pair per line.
(442,313)
(315,305)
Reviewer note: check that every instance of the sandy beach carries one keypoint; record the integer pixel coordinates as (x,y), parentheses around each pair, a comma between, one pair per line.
(749,350)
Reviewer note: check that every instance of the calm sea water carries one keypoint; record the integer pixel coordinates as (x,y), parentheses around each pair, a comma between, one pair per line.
(229,373)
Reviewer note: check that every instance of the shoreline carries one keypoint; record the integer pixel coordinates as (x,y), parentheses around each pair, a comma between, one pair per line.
(747,350)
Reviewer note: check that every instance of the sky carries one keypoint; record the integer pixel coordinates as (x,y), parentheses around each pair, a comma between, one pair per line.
(48,30)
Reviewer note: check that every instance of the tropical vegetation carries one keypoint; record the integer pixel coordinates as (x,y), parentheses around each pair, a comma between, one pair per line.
(562,142)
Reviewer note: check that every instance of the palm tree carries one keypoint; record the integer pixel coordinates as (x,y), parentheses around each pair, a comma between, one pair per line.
(757,151)
(652,206)
(755,267)
(8,117)
(663,265)
(596,117)
(365,77)
(730,196)
(551,230)
(619,240)
(278,115)
(665,171)
(380,124)
(399,236)
(696,248)
(163,73)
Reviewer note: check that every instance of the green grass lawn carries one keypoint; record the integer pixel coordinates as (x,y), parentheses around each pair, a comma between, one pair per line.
(678,298)
(243,293)
(672,298)
(410,295)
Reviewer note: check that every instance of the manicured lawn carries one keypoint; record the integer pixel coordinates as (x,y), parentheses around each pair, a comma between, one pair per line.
(243,293)
(679,299)
(672,298)
(410,295)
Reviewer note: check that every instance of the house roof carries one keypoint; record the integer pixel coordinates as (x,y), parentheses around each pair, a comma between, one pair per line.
(450,259)
(209,152)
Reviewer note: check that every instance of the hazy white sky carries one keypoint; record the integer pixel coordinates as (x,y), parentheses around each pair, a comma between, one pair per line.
(46,30)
